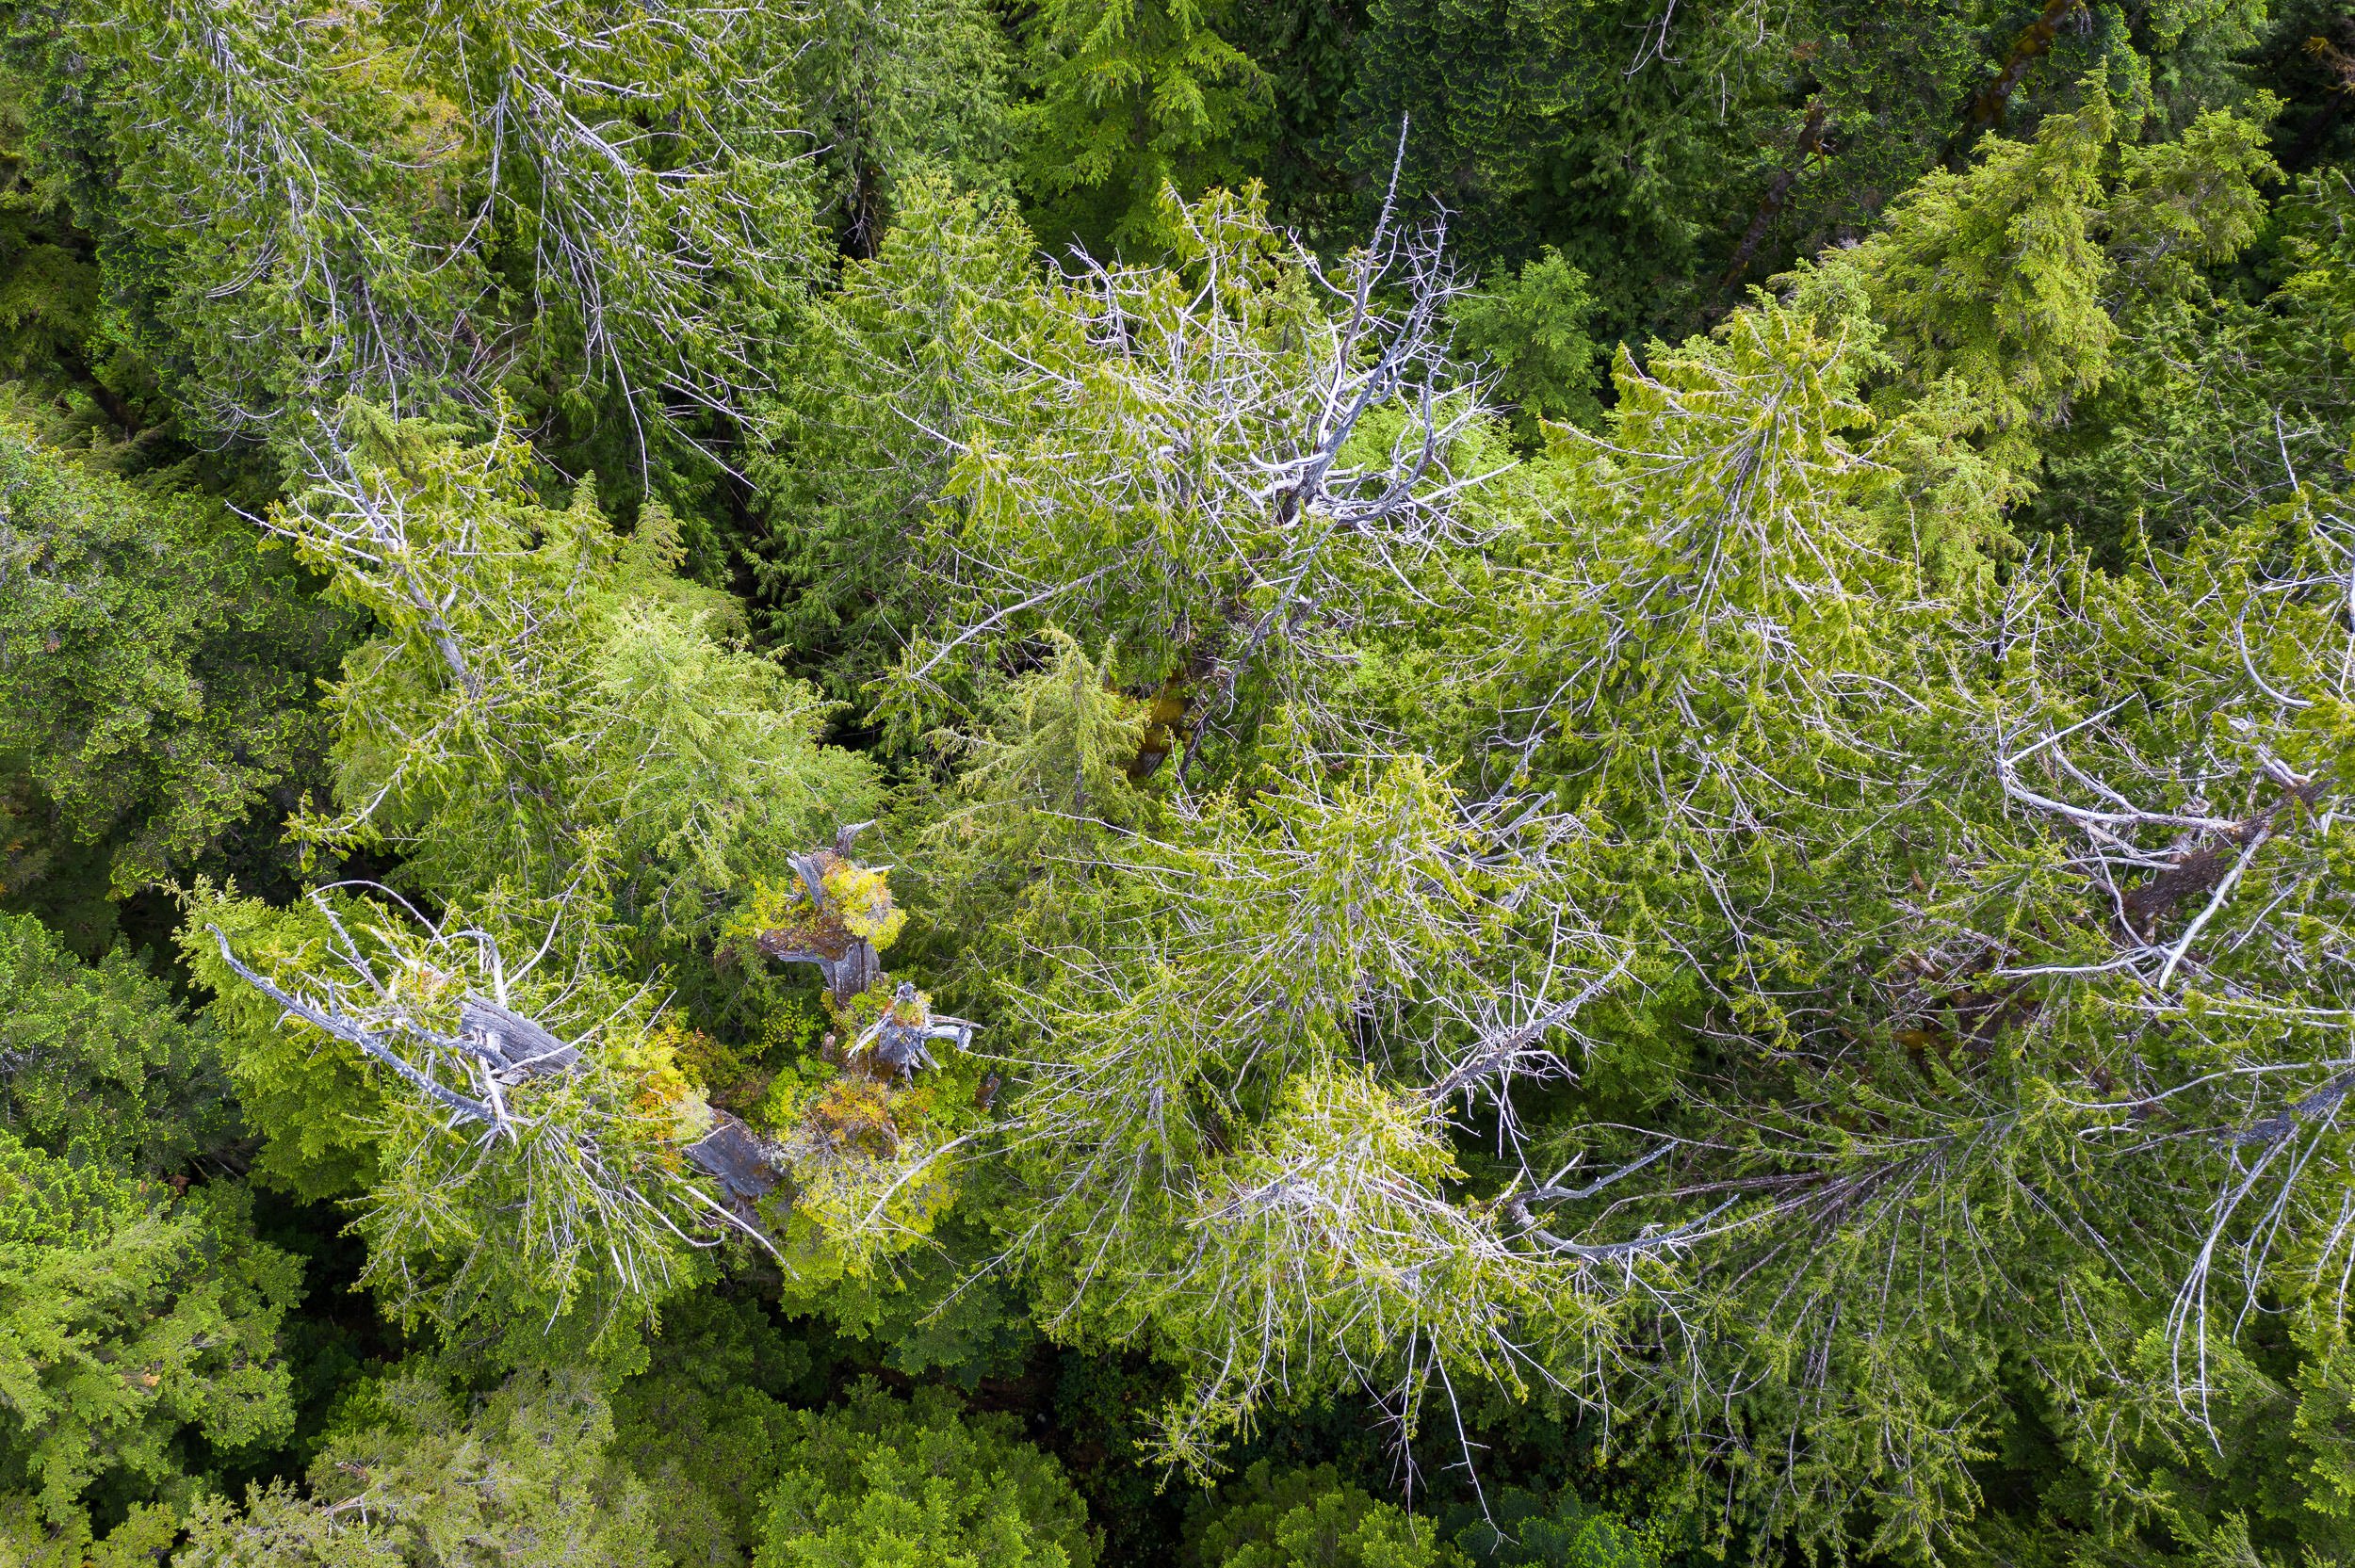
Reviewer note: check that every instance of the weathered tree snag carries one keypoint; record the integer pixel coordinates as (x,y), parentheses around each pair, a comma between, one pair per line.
(849,962)
(853,968)
(516,1043)
(899,1036)
(735,1158)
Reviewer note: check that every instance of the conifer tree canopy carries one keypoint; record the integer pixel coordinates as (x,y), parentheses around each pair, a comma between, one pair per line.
(1176,783)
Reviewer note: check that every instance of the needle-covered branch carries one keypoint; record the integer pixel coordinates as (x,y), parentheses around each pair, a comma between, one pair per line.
(531,1134)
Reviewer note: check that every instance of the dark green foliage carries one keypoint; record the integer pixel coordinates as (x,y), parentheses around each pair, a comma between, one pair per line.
(1127,98)
(889,365)
(1309,50)
(707,1423)
(97,1064)
(1533,329)
(2218,404)
(1523,1531)
(934,1315)
(49,295)
(156,668)
(899,93)
(1672,153)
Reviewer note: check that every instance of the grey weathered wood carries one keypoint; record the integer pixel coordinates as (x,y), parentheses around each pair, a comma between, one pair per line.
(522,1045)
(731,1155)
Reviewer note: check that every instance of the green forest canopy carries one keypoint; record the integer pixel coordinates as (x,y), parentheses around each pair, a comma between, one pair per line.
(1254,783)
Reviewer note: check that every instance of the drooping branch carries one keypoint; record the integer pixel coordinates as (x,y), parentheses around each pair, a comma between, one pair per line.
(506,1048)
(373,1045)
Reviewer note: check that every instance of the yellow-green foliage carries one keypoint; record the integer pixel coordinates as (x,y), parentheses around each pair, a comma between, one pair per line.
(858,904)
(559,698)
(861,897)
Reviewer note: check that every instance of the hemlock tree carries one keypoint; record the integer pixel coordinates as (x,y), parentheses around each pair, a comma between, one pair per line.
(521,1476)
(2273,382)
(1533,329)
(510,1117)
(131,1319)
(881,1481)
(895,368)
(1211,464)
(546,696)
(101,1067)
(550,728)
(605,210)
(900,94)
(1130,99)
(155,666)
(1311,1519)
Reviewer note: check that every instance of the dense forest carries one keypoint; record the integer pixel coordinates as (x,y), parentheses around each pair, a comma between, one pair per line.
(1225,783)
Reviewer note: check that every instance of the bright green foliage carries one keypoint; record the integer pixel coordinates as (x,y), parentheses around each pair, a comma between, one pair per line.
(935,1314)
(1792,825)
(1311,1519)
(545,696)
(1133,98)
(2189,202)
(1999,277)
(1532,329)
(553,1206)
(878,1482)
(1771,944)
(130,1320)
(100,1068)
(154,664)
(1817,682)
(1204,1135)
(1994,275)
(1049,760)
(139,1542)
(318,1112)
(522,1478)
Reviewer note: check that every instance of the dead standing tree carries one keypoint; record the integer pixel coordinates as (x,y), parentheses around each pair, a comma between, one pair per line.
(846,913)
(507,1099)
